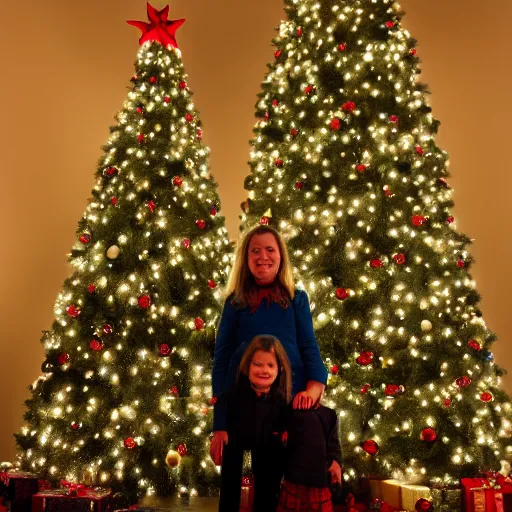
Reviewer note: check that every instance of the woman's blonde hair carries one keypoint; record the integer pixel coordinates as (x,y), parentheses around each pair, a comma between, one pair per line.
(240,278)
(267,343)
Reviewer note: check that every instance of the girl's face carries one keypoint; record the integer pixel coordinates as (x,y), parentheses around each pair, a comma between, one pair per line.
(264,258)
(263,370)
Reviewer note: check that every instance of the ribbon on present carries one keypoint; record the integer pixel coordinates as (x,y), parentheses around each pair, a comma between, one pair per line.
(75,489)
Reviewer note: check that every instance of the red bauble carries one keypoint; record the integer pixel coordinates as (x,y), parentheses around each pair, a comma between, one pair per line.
(365,358)
(213,400)
(475,345)
(186,243)
(63,358)
(341,293)
(113,201)
(151,206)
(200,134)
(167,99)
(486,397)
(413,52)
(461,263)
(144,301)
(349,106)
(309,89)
(447,402)
(110,172)
(376,263)
(335,369)
(390,24)
(107,329)
(277,54)
(201,223)
(393,389)
(265,221)
(153,80)
(75,426)
(387,191)
(299,31)
(361,168)
(423,505)
(164,349)
(198,323)
(294,132)
(418,220)
(85,238)
(342,47)
(177,181)
(189,117)
(174,391)
(213,211)
(130,443)
(91,288)
(73,311)
(365,389)
(140,110)
(335,124)
(275,102)
(399,259)
(212,284)
(463,382)
(182,450)
(299,185)
(419,150)
(428,434)
(370,446)
(183,85)
(278,162)
(393,119)
(96,345)
(450,219)
(140,137)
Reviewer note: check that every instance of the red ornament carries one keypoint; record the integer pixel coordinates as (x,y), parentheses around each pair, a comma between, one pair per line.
(151,206)
(265,221)
(393,119)
(461,263)
(275,102)
(165,350)
(212,284)
(200,134)
(361,168)
(85,238)
(201,223)
(387,191)
(365,358)
(167,99)
(335,124)
(335,369)
(309,89)
(418,220)
(443,182)
(370,446)
(341,293)
(294,132)
(342,47)
(96,345)
(140,110)
(423,505)
(174,391)
(413,52)
(189,117)
(213,211)
(390,24)
(393,389)
(110,172)
(266,116)
(107,329)
(144,301)
(278,162)
(376,263)
(277,54)
(183,85)
(159,27)
(349,106)
(475,345)
(198,323)
(182,450)
(140,137)
(365,389)
(213,400)
(130,443)
(428,434)
(113,201)
(447,402)
(153,80)
(91,288)
(186,243)
(419,150)
(177,181)
(463,382)
(75,426)
(299,185)
(63,358)
(486,397)
(73,311)
(450,219)
(299,31)
(399,259)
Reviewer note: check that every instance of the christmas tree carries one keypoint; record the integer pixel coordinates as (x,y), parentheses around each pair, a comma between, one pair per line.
(126,384)
(345,165)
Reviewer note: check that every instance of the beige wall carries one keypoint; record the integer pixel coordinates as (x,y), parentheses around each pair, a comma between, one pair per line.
(65,66)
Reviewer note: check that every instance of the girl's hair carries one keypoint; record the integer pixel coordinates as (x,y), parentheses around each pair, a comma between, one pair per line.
(240,278)
(267,343)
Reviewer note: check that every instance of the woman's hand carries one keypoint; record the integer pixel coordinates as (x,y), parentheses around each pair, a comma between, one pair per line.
(220,438)
(335,472)
(303,400)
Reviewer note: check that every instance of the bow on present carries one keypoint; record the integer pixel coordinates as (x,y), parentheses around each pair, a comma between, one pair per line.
(75,489)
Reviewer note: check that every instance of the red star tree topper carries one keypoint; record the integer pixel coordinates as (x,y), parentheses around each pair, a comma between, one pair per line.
(159,27)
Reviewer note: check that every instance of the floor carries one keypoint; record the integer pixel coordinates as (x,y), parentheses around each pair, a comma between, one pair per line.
(176,504)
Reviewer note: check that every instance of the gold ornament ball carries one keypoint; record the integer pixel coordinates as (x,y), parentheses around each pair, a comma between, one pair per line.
(426,325)
(172,459)
(113,252)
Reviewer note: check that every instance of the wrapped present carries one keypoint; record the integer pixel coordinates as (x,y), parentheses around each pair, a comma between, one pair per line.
(247,494)
(84,499)
(17,488)
(487,495)
(411,494)
(446,498)
(391,493)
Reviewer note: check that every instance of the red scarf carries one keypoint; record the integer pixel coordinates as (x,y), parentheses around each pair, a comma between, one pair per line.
(272,293)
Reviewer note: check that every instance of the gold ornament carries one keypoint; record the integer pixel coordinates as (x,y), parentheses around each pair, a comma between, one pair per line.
(113,252)
(173,459)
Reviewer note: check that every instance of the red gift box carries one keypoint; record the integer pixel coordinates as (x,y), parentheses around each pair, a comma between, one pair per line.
(481,496)
(247,494)
(67,500)
(17,488)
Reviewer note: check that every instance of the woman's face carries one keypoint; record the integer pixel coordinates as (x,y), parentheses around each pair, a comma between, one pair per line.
(263,370)
(264,258)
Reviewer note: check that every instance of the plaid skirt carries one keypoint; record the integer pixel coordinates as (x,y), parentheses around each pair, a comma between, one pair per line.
(298,498)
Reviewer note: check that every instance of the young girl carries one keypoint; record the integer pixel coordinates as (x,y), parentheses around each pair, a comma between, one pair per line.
(312,460)
(254,410)
(262,299)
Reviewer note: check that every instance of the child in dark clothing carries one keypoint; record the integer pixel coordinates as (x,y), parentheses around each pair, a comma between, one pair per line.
(313,460)
(254,413)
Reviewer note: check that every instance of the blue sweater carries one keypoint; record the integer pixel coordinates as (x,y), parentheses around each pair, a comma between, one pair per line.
(293,327)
